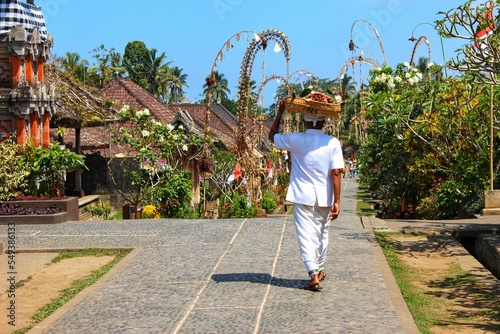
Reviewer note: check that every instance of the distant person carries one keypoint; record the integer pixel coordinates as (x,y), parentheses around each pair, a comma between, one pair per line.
(314,188)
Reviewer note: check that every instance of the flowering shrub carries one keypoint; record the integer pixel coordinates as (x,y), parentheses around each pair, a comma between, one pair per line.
(99,210)
(160,150)
(150,211)
(422,126)
(387,79)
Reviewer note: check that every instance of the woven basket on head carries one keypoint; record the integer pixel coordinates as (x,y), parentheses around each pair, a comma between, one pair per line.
(303,106)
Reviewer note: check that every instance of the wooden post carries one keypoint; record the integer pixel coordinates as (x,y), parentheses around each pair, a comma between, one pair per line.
(492,134)
(78,172)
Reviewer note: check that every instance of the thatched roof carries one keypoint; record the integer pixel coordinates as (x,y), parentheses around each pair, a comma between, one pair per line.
(78,106)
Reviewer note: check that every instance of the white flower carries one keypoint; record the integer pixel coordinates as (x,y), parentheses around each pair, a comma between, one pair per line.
(184,147)
(124,109)
(170,127)
(398,79)
(406,64)
(430,64)
(145,133)
(157,123)
(146,112)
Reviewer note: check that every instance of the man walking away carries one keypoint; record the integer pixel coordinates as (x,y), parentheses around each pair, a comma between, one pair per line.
(314,188)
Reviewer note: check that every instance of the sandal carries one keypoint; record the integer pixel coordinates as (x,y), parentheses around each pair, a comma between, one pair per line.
(311,287)
(322,275)
(314,284)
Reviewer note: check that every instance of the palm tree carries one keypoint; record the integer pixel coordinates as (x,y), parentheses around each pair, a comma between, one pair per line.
(156,73)
(219,90)
(176,80)
(74,65)
(104,70)
(347,87)
(116,66)
(71,62)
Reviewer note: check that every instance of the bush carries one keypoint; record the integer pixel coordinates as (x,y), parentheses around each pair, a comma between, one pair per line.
(268,202)
(455,200)
(13,171)
(428,209)
(239,207)
(174,194)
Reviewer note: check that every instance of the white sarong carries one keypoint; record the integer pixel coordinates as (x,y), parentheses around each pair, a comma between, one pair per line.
(312,224)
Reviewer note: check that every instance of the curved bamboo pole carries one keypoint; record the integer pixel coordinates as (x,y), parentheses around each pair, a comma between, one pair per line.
(353,60)
(420,40)
(210,80)
(376,35)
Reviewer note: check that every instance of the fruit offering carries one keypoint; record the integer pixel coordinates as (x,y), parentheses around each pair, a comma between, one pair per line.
(319,97)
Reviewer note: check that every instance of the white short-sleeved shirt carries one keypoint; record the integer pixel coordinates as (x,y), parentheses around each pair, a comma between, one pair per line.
(314,154)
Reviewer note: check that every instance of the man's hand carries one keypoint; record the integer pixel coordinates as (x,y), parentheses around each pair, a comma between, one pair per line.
(334,211)
(276,123)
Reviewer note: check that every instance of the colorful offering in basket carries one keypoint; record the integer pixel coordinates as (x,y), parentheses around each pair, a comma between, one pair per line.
(315,103)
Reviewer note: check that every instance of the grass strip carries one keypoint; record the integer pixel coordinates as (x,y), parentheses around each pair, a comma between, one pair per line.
(363,205)
(422,306)
(436,297)
(78,285)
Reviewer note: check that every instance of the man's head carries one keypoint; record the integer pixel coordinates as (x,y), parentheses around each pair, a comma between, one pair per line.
(314,121)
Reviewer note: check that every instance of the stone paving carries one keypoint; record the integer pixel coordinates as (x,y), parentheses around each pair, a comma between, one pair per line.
(225,276)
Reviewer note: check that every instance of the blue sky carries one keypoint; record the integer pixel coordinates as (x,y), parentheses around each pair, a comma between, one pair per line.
(191,33)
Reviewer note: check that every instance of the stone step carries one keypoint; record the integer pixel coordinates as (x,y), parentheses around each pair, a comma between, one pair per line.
(491,211)
(85,216)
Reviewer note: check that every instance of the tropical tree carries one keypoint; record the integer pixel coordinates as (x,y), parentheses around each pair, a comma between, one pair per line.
(480,29)
(219,87)
(108,66)
(175,82)
(73,64)
(134,59)
(156,72)
(347,87)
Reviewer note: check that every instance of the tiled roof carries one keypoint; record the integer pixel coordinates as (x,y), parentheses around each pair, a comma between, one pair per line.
(222,122)
(123,91)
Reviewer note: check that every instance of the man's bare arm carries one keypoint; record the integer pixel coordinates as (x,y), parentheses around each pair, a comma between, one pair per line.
(336,181)
(275,127)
